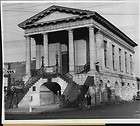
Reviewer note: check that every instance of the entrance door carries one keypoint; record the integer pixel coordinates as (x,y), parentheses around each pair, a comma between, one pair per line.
(65,63)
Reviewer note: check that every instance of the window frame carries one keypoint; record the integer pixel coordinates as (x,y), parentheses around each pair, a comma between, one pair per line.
(125,55)
(113,56)
(34,88)
(105,53)
(120,59)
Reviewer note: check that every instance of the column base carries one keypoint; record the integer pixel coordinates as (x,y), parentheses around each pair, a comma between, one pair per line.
(92,72)
(71,72)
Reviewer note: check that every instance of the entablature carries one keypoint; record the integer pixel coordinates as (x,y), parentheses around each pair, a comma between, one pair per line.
(59,27)
(78,24)
(113,37)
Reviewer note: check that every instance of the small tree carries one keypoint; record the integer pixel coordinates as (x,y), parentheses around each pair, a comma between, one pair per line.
(15,89)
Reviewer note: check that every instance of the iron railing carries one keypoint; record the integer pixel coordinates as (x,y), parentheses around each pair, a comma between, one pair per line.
(82,68)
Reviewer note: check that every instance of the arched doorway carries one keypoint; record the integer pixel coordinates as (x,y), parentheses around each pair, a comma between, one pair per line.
(49,93)
(100,91)
(117,92)
(108,90)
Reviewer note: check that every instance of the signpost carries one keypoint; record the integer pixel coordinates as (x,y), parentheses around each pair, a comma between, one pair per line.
(7,73)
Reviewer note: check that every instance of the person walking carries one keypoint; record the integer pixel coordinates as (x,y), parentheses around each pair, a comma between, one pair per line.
(88,98)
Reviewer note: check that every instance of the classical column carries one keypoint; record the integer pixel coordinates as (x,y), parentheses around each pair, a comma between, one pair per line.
(71,51)
(37,56)
(100,49)
(92,49)
(46,49)
(28,56)
(110,55)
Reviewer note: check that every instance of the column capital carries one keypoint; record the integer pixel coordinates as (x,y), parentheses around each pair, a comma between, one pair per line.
(98,31)
(26,36)
(91,27)
(70,30)
(45,33)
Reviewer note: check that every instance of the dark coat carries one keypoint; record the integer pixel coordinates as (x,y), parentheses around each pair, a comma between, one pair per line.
(88,100)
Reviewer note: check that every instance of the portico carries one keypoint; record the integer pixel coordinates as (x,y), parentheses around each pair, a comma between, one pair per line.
(74,48)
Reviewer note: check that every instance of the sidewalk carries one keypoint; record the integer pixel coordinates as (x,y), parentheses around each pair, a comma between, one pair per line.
(115,111)
(39,109)
(55,109)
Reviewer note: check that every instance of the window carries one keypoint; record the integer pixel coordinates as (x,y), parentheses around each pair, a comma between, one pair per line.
(126,62)
(116,84)
(34,88)
(105,53)
(133,84)
(120,60)
(123,83)
(113,56)
(131,69)
(31,98)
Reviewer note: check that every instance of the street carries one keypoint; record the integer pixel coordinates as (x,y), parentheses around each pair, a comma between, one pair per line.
(118,111)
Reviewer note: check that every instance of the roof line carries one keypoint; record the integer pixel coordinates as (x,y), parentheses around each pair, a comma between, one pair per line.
(118,31)
(82,14)
(55,7)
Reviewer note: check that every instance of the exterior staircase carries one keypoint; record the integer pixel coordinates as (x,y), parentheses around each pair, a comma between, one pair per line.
(73,94)
(72,90)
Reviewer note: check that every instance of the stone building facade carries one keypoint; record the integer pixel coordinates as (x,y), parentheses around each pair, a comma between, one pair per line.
(80,43)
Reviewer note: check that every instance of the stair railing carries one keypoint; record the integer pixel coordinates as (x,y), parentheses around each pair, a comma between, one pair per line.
(34,78)
(82,68)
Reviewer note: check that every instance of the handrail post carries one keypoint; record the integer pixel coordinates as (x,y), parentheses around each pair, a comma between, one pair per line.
(42,61)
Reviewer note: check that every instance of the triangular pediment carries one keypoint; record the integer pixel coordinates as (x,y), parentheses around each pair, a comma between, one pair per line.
(54,13)
(55,16)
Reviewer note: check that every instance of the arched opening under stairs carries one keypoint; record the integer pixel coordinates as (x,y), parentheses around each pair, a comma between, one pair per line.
(49,93)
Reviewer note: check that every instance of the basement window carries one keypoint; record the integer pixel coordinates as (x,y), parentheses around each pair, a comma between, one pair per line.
(123,83)
(34,88)
(133,84)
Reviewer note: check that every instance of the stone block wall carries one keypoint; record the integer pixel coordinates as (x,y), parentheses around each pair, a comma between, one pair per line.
(112,90)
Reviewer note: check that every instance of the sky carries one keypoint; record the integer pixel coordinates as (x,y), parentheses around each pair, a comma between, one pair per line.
(123,14)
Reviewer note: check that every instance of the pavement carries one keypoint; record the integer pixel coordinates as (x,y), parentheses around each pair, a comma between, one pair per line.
(33,109)
(109,111)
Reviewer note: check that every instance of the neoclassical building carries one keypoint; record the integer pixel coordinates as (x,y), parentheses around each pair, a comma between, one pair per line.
(77,48)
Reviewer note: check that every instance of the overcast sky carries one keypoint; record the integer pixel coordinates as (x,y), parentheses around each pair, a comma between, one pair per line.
(123,14)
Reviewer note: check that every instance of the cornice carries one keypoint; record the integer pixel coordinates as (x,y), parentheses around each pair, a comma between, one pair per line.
(112,36)
(83,15)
